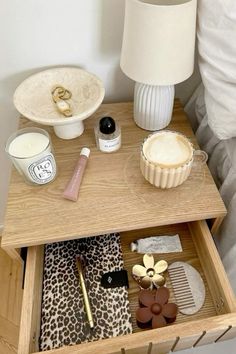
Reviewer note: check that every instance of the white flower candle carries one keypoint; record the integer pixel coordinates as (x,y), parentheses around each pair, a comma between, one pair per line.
(31,153)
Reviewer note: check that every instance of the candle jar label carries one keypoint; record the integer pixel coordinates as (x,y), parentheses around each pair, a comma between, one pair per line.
(43,170)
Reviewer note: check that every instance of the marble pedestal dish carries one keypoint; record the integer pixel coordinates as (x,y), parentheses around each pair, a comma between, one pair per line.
(33,99)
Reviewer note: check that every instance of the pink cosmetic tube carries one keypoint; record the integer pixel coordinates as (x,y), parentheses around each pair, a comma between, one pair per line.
(72,189)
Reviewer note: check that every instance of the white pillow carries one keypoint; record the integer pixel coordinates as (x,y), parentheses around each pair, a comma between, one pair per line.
(217,61)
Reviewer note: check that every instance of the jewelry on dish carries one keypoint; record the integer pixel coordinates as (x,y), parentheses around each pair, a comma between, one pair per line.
(60,95)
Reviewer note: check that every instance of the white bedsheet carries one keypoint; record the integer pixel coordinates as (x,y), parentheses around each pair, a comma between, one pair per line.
(222,163)
(212,111)
(216,34)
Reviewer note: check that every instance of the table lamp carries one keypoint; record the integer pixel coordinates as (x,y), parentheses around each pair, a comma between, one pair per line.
(157,52)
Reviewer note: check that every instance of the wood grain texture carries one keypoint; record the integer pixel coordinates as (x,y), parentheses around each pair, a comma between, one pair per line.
(114,196)
(8,336)
(189,255)
(31,305)
(216,224)
(14,254)
(10,305)
(163,347)
(186,342)
(209,337)
(161,335)
(11,275)
(141,350)
(184,333)
(229,334)
(217,279)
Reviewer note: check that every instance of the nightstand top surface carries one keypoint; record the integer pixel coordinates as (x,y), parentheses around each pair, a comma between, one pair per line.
(113,197)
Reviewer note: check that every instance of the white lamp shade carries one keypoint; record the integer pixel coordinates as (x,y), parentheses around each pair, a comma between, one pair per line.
(159,40)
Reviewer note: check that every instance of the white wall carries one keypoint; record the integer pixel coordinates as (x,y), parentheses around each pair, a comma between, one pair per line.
(35,34)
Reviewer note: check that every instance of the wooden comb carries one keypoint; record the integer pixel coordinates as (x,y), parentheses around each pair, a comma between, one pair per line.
(188,287)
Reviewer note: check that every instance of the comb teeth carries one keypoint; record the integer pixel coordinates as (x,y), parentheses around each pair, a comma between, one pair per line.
(182,291)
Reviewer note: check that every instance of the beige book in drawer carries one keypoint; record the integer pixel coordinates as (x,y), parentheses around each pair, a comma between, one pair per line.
(216,321)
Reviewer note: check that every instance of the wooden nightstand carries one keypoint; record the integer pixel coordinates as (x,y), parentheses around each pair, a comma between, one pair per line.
(115,197)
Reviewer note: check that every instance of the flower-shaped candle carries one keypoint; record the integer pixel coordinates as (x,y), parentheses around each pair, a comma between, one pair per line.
(155,311)
(149,274)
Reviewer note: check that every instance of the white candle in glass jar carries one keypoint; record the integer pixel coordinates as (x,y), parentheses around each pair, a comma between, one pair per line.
(31,153)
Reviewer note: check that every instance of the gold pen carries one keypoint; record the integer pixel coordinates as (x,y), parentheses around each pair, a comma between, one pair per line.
(84,291)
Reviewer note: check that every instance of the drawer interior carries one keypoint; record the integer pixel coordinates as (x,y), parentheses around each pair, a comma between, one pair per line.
(189,255)
(198,250)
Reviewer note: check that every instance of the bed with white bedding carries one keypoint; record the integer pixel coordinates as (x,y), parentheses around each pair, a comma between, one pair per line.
(212,110)
(222,163)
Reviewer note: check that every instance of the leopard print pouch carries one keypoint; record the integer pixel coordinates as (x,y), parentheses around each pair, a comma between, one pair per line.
(64,320)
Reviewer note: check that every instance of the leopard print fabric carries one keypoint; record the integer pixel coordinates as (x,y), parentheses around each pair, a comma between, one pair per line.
(64,320)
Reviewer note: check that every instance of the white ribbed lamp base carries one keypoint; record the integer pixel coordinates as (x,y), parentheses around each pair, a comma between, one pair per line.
(153,106)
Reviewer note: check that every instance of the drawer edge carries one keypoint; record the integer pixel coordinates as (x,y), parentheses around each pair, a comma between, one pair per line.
(219,285)
(31,304)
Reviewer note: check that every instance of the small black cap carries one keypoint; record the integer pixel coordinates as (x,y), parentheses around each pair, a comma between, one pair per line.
(107,125)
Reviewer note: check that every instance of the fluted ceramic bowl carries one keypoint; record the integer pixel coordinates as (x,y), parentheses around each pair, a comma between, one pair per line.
(163,176)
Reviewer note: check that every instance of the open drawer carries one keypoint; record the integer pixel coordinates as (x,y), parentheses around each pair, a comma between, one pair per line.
(216,321)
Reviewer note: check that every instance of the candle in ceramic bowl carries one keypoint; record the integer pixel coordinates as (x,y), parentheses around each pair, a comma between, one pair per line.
(31,153)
